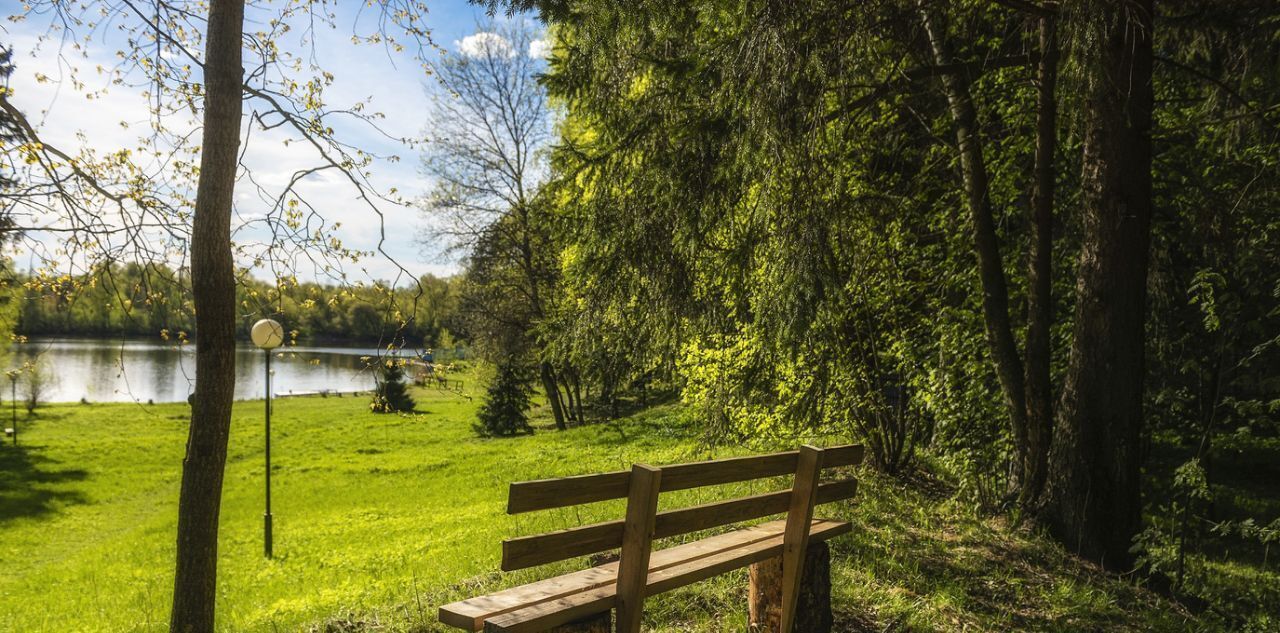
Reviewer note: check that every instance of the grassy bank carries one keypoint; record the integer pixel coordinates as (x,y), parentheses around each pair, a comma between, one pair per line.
(379,519)
(369,509)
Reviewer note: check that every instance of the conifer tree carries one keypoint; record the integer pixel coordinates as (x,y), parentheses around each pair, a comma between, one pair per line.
(506,404)
(392,394)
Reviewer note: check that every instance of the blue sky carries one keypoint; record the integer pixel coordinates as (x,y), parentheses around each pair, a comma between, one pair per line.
(393,86)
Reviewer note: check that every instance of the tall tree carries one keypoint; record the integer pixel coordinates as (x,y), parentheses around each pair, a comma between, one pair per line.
(214,292)
(128,205)
(1093,502)
(487,153)
(1040,313)
(986,244)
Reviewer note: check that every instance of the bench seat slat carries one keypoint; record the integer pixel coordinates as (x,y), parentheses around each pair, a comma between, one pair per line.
(545,494)
(519,553)
(669,569)
(474,610)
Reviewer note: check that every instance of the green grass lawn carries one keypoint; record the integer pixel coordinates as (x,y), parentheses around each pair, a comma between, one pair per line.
(380,519)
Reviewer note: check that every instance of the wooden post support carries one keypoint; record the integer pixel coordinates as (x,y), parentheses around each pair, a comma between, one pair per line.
(795,541)
(813,612)
(637,542)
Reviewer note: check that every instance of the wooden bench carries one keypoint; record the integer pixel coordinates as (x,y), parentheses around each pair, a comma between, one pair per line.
(642,571)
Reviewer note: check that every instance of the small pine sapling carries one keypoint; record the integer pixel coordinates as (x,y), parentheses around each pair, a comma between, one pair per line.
(391,395)
(506,403)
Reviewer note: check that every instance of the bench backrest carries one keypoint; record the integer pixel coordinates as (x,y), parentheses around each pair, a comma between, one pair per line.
(641,487)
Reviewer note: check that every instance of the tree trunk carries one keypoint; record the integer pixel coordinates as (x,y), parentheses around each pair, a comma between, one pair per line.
(573,396)
(213,289)
(1093,499)
(552,390)
(764,594)
(1039,350)
(986,244)
(577,397)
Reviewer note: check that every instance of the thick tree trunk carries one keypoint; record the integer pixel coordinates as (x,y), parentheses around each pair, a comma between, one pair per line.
(552,390)
(764,593)
(1039,350)
(1093,500)
(213,289)
(986,244)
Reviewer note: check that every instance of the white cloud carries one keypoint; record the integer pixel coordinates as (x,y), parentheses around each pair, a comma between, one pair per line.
(481,44)
(539,49)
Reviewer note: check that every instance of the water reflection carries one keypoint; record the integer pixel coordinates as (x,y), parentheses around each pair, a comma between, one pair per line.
(123,371)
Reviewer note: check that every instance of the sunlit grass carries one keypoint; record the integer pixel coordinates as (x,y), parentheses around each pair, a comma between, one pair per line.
(380,519)
(370,510)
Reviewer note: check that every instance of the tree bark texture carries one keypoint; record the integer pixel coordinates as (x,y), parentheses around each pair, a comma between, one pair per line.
(814,607)
(552,390)
(1039,350)
(1092,500)
(986,244)
(213,289)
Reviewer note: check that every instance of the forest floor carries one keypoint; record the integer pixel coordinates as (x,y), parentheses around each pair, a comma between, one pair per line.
(381,518)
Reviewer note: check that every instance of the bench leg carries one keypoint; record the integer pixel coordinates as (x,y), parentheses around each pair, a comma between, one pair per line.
(765,594)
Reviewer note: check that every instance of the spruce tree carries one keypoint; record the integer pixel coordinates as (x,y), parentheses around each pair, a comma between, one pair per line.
(505,404)
(392,394)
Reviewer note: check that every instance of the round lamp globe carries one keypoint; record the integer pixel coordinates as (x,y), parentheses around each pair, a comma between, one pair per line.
(267,334)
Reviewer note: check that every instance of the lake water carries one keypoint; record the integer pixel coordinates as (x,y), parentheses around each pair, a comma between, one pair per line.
(132,370)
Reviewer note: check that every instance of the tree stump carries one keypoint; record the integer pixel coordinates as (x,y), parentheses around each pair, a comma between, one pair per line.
(813,614)
(598,623)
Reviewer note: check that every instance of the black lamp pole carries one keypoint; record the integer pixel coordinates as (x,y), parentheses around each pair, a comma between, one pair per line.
(266,518)
(13,404)
(267,335)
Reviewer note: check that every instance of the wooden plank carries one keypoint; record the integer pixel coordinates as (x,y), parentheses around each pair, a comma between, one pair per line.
(804,495)
(471,613)
(528,551)
(637,543)
(720,513)
(541,616)
(544,494)
(475,610)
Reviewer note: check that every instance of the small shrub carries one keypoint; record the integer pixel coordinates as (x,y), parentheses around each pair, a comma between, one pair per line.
(391,395)
(506,403)
(38,380)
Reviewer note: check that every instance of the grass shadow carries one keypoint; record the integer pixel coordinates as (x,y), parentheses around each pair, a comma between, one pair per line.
(930,563)
(31,483)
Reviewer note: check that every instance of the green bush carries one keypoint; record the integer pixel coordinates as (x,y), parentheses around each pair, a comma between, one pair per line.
(506,402)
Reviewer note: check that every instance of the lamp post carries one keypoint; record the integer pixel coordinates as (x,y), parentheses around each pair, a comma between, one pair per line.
(13,401)
(267,334)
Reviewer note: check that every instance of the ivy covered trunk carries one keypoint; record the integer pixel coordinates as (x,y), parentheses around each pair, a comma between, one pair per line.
(1092,499)
(214,293)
